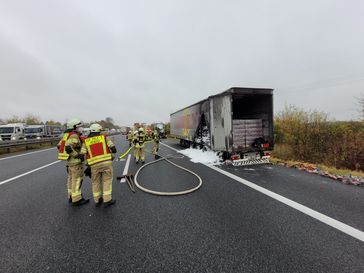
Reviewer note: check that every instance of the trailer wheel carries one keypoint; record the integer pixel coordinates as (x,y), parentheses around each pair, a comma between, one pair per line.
(225,156)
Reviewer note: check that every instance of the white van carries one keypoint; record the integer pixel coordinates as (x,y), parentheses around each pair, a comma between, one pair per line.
(13,131)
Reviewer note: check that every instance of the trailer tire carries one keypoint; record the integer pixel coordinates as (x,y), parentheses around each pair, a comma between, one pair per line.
(225,156)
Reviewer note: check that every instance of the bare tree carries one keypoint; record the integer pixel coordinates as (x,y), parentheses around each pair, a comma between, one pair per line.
(51,122)
(109,120)
(15,119)
(31,119)
(361,106)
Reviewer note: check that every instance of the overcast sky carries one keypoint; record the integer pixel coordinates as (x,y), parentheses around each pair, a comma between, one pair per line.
(138,61)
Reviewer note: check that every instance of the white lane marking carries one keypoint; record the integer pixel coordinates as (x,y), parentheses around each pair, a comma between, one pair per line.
(356,233)
(26,154)
(126,168)
(32,171)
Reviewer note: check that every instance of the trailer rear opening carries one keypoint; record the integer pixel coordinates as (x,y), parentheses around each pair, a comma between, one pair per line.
(252,120)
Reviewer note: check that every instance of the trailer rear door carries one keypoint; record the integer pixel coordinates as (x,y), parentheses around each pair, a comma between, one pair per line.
(220,117)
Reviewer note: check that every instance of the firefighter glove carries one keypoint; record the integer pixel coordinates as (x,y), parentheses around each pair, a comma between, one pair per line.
(68,149)
(87,171)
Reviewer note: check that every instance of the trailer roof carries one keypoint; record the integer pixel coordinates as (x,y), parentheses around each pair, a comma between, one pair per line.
(238,91)
(245,91)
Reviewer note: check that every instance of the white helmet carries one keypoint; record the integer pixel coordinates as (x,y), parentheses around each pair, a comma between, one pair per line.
(95,128)
(73,123)
(141,130)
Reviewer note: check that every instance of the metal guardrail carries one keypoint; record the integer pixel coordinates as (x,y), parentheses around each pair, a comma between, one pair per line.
(17,143)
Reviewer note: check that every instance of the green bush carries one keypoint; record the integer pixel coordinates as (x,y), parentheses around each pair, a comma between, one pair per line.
(310,136)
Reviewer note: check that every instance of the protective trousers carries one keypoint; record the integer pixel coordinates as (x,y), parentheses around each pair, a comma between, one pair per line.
(76,177)
(155,147)
(101,178)
(140,153)
(69,184)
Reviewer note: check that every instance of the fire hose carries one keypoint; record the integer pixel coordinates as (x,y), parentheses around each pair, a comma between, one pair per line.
(130,178)
(167,193)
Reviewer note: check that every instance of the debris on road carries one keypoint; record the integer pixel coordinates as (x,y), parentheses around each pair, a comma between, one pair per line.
(311,168)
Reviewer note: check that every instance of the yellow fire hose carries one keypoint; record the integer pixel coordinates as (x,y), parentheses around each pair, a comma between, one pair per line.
(123,155)
(132,146)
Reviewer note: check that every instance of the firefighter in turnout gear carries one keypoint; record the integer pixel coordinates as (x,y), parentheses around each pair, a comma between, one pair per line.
(156,140)
(133,141)
(130,138)
(139,141)
(98,149)
(69,149)
(62,155)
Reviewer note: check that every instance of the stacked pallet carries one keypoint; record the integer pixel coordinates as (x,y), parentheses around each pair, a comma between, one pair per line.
(245,131)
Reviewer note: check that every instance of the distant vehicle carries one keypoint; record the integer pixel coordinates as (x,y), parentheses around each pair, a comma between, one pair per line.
(162,129)
(238,123)
(12,131)
(86,131)
(124,130)
(42,131)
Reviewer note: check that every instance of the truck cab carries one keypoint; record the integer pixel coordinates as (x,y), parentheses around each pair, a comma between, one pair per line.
(14,131)
(34,131)
(161,128)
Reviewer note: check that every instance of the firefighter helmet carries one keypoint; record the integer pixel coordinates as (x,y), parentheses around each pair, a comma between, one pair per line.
(95,128)
(73,123)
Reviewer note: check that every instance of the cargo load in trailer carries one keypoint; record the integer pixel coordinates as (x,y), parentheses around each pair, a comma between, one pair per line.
(237,123)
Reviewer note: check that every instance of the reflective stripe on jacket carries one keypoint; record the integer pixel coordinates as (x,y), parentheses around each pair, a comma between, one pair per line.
(97,150)
(139,140)
(62,155)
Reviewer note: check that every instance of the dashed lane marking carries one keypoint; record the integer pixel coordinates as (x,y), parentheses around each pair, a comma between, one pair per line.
(126,168)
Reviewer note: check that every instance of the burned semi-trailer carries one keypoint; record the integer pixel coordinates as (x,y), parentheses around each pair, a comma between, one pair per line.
(238,123)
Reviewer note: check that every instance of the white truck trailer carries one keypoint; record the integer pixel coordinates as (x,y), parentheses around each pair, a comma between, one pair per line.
(238,123)
(42,131)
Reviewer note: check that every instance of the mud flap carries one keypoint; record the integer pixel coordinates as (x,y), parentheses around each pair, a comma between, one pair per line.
(247,162)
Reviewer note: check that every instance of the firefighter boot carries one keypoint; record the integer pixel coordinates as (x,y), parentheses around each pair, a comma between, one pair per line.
(80,202)
(109,203)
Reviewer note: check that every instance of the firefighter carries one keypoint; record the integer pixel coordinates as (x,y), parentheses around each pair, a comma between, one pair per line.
(98,149)
(156,139)
(133,141)
(139,141)
(62,155)
(69,149)
(130,138)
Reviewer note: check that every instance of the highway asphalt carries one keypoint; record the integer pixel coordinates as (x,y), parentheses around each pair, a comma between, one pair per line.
(223,227)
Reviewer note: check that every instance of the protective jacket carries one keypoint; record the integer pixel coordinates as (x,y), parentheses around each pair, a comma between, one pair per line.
(139,140)
(97,149)
(62,155)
